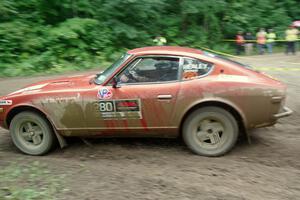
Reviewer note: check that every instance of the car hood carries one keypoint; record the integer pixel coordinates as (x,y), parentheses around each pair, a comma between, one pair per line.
(78,81)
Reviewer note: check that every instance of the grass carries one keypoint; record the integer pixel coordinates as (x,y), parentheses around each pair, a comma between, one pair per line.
(32,181)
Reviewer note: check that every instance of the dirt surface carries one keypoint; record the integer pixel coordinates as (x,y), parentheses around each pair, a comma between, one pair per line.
(269,168)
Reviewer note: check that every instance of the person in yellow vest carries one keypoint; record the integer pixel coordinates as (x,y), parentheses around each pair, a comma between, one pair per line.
(160,40)
(271,36)
(261,40)
(291,36)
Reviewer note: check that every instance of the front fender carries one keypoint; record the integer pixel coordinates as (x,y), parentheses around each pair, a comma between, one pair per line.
(17,108)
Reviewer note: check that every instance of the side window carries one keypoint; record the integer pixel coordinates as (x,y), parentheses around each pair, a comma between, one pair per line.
(193,68)
(150,69)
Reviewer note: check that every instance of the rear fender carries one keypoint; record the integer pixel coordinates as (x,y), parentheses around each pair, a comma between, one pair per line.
(220,102)
(217,100)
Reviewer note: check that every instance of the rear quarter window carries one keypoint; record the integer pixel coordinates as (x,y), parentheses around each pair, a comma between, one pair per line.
(193,68)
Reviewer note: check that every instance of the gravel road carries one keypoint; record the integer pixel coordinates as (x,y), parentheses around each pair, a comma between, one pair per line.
(132,169)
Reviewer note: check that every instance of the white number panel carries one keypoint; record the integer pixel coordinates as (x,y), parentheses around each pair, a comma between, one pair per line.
(120,109)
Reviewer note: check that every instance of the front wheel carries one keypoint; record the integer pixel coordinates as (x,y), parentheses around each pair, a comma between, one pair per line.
(210,131)
(31,133)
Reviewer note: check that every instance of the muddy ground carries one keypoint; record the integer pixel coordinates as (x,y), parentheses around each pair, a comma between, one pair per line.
(269,168)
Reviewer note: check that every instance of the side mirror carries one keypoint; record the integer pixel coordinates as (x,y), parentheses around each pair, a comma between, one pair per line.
(115,83)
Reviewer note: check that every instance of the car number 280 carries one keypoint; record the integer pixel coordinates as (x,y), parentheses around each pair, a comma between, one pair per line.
(106,106)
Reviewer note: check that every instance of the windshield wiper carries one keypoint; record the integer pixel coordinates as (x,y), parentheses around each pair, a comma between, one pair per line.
(93,80)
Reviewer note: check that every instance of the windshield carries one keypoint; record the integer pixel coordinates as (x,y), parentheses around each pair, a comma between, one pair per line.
(212,55)
(104,75)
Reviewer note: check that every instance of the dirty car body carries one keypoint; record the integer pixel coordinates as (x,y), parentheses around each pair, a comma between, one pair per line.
(149,92)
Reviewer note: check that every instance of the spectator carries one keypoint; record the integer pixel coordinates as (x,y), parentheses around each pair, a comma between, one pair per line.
(239,40)
(261,40)
(160,40)
(249,43)
(291,36)
(271,36)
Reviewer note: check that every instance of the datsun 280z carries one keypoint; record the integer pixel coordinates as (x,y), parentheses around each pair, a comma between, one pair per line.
(160,91)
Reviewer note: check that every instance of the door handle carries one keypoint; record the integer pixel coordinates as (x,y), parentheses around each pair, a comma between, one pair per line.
(164,96)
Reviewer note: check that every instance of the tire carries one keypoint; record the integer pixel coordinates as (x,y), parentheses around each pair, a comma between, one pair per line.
(31,133)
(210,131)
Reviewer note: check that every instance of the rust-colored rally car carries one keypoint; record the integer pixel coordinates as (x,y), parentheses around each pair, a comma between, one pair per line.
(149,92)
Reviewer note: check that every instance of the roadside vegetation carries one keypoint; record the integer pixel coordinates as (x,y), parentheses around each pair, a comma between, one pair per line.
(33,181)
(38,36)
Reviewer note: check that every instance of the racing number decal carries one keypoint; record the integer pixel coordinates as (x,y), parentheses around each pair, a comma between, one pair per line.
(106,106)
(120,109)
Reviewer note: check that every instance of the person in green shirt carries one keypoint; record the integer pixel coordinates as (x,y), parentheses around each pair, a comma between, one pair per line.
(160,40)
(271,36)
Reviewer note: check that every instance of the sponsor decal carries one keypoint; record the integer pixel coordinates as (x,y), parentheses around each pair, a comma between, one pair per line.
(70,99)
(195,67)
(127,105)
(104,93)
(189,75)
(232,78)
(120,109)
(5,102)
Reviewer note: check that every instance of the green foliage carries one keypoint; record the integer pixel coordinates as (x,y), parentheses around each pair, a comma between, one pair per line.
(29,182)
(59,35)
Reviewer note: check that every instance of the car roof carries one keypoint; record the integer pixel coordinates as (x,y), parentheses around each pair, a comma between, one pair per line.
(180,51)
(167,50)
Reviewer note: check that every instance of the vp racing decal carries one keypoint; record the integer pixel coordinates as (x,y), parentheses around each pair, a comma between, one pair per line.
(104,93)
(120,109)
(5,102)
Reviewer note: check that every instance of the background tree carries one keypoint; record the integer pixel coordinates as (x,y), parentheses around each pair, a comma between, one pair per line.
(57,35)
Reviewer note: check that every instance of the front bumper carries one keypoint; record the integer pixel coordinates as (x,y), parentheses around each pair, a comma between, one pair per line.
(285,112)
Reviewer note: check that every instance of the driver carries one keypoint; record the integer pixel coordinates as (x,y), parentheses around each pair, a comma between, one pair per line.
(133,77)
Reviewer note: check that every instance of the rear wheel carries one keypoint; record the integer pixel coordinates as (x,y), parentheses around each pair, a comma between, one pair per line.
(210,131)
(31,133)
